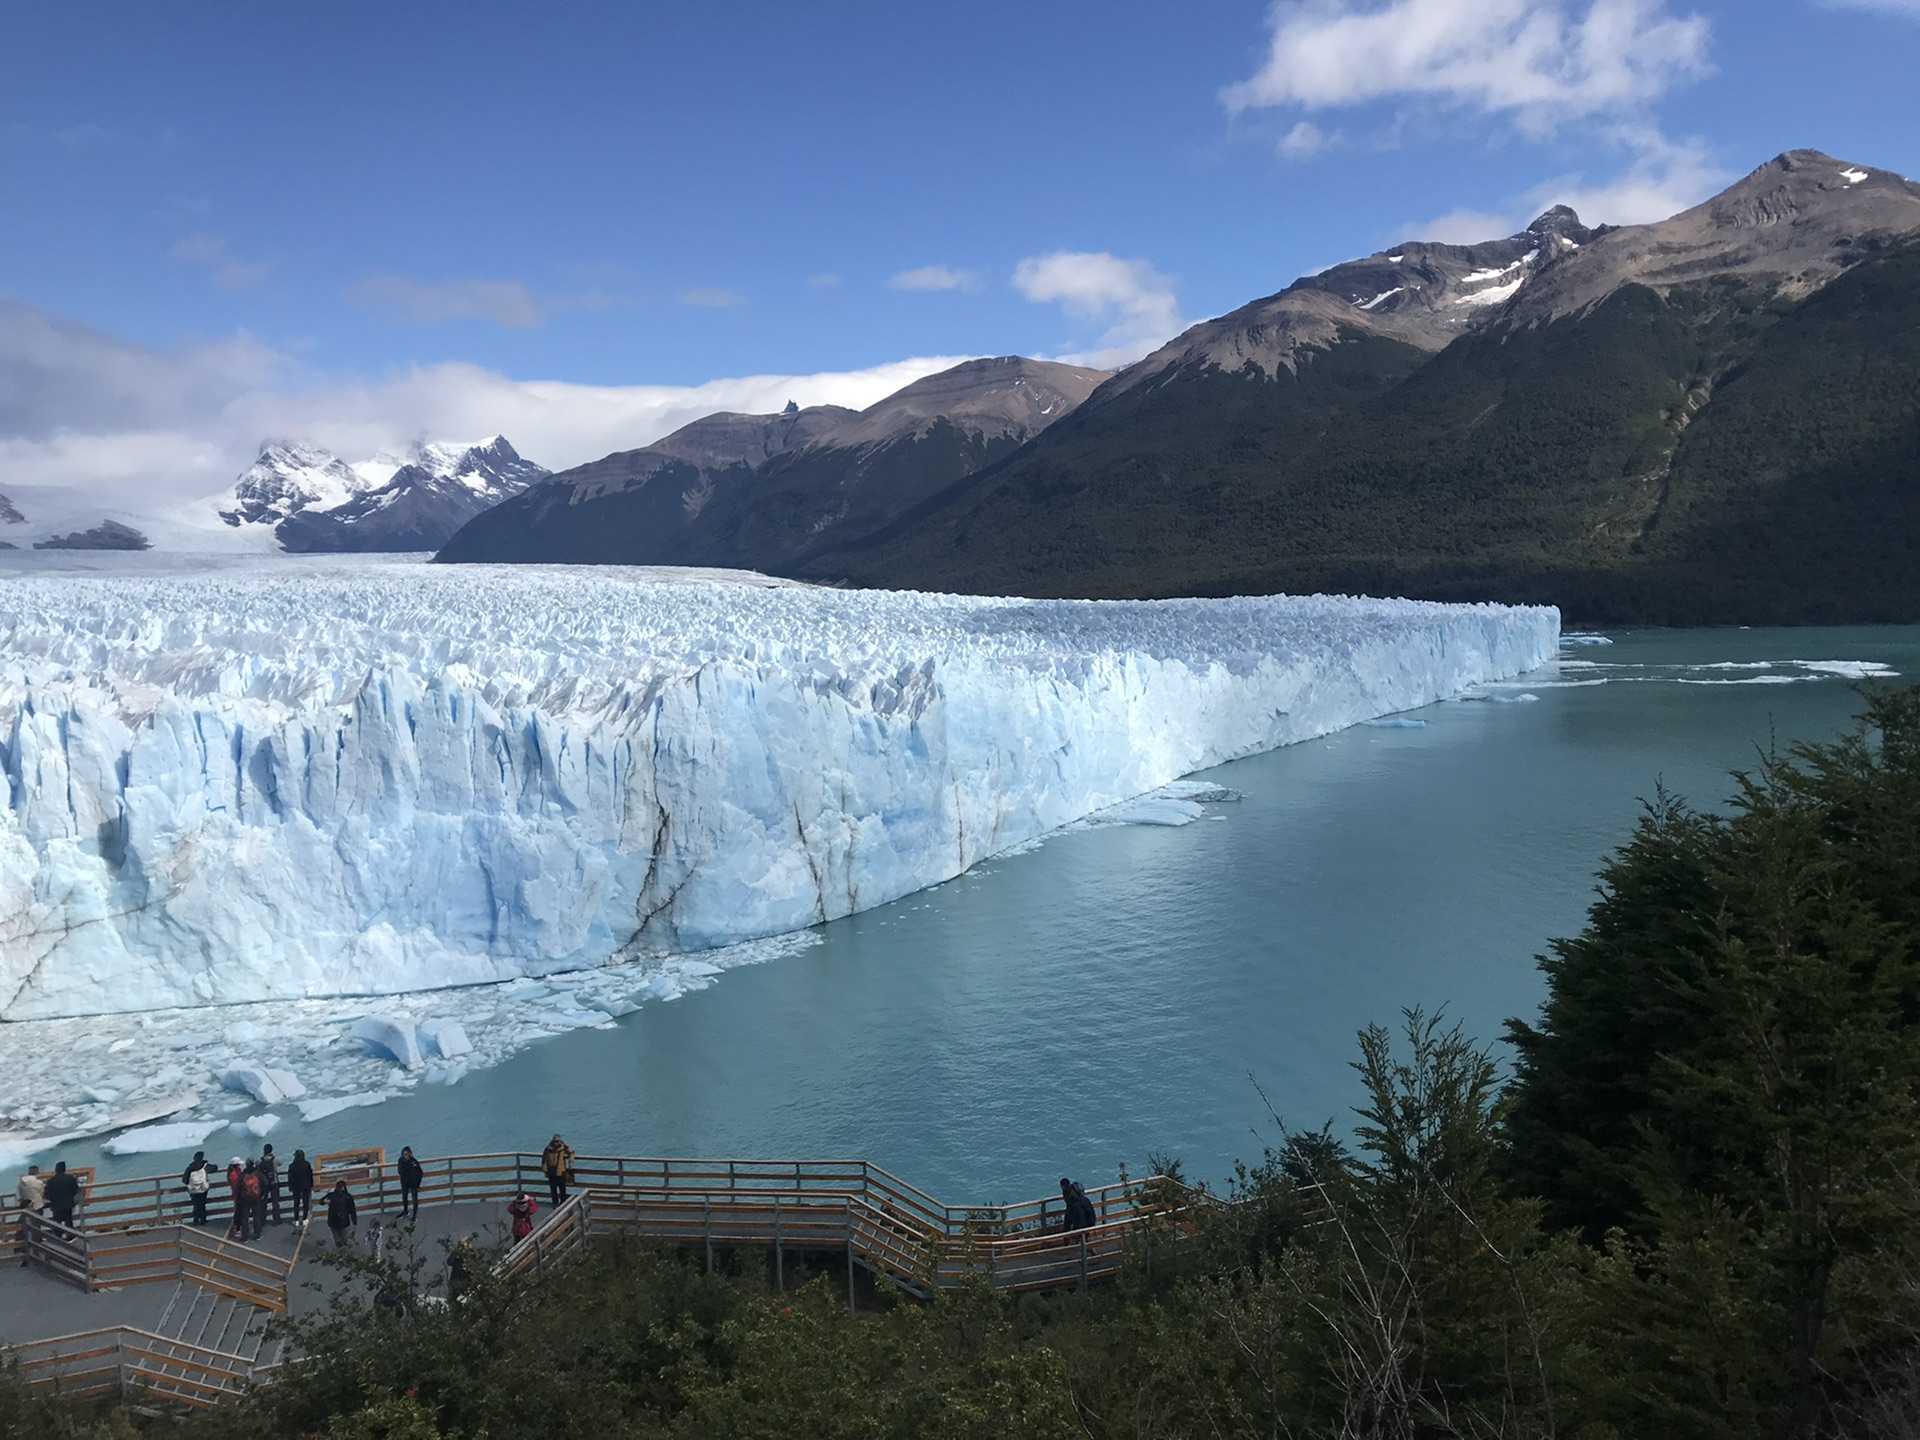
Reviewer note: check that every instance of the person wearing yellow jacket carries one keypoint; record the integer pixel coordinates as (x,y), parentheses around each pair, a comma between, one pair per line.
(557,1161)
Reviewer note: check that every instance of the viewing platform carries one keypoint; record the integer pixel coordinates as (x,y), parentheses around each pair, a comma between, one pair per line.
(133,1298)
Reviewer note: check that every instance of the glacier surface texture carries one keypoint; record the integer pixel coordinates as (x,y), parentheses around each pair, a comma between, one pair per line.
(269,783)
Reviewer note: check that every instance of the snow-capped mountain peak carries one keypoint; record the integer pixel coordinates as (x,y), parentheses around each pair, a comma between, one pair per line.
(288,477)
(316,501)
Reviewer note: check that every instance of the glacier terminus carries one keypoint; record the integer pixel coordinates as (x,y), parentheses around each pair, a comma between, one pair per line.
(294,779)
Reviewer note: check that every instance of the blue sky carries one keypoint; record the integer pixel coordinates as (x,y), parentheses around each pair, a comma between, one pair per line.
(374,222)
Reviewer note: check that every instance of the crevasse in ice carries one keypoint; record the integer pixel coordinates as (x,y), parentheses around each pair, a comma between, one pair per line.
(359,779)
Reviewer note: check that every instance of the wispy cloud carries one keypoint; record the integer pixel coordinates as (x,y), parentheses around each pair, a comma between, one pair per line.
(223,267)
(82,407)
(1132,300)
(711,297)
(1910,9)
(935,277)
(823,282)
(506,303)
(1664,177)
(1305,140)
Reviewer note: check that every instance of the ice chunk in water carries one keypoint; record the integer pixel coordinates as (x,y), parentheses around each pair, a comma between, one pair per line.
(155,1139)
(267,1086)
(389,1038)
(443,1039)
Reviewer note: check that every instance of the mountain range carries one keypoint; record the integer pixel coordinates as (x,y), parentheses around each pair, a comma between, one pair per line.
(772,492)
(1715,418)
(314,501)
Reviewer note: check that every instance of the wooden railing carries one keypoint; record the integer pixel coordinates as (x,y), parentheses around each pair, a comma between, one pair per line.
(889,1224)
(123,1360)
(109,1259)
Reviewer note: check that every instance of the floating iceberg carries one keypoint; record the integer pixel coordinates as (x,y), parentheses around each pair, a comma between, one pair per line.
(157,1139)
(388,1038)
(266,1085)
(272,783)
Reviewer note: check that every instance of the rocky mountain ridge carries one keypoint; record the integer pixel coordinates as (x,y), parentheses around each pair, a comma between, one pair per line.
(762,491)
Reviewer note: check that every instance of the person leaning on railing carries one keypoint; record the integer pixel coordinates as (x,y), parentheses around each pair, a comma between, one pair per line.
(63,1194)
(32,1194)
(557,1162)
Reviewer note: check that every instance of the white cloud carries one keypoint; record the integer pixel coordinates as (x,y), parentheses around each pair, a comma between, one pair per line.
(1541,62)
(1133,300)
(1305,140)
(1463,227)
(506,303)
(823,282)
(711,297)
(935,277)
(223,267)
(1664,178)
(83,408)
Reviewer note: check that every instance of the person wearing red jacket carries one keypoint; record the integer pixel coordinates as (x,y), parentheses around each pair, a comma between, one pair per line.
(521,1209)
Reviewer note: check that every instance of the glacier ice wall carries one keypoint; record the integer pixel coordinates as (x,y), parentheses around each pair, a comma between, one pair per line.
(269,783)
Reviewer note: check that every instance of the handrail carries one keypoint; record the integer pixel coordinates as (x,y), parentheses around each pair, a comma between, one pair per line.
(78,1366)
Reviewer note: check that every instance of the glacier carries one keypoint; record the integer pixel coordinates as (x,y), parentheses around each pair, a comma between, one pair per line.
(274,782)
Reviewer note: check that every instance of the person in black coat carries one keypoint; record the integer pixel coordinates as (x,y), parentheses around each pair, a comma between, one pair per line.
(300,1186)
(270,1182)
(341,1215)
(411,1174)
(63,1193)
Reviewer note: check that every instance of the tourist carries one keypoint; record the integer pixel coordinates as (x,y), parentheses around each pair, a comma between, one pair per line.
(270,1182)
(63,1193)
(33,1200)
(376,1237)
(411,1174)
(198,1178)
(253,1200)
(341,1216)
(457,1261)
(236,1170)
(1080,1214)
(557,1161)
(521,1208)
(300,1186)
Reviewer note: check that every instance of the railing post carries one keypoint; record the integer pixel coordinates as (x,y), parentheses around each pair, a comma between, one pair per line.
(706,1216)
(779,1252)
(852,1307)
(1083,1260)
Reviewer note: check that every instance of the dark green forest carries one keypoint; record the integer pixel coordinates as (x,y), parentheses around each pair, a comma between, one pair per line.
(1715,454)
(1689,1207)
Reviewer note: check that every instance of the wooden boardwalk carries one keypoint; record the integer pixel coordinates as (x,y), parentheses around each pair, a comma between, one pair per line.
(130,1235)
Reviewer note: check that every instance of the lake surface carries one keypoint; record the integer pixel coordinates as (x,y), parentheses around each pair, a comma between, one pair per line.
(1121,989)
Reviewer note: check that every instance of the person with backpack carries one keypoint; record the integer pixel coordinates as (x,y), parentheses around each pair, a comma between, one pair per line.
(33,1199)
(198,1180)
(236,1168)
(521,1209)
(269,1183)
(557,1161)
(63,1193)
(341,1214)
(253,1201)
(300,1186)
(411,1174)
(1080,1213)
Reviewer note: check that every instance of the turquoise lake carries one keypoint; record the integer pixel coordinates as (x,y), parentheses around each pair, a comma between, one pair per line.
(1122,989)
